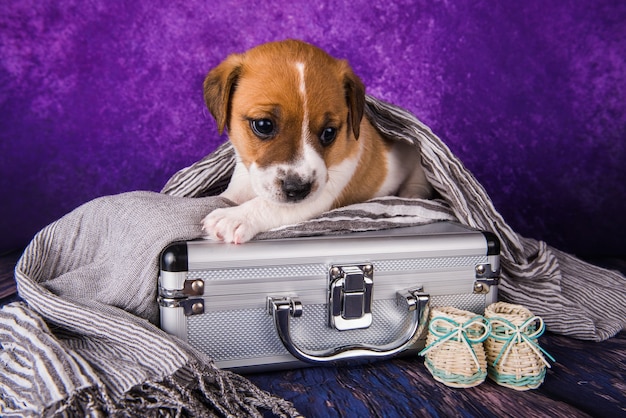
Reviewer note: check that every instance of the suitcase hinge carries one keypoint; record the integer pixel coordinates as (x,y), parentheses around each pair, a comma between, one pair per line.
(350,296)
(191,287)
(485,278)
(190,306)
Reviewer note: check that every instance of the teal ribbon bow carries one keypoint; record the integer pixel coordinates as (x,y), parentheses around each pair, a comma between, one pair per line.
(519,334)
(458,332)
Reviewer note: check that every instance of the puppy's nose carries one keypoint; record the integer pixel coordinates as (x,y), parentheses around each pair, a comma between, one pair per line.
(295,189)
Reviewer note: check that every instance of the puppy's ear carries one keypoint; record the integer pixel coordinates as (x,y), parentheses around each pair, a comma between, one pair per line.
(219,86)
(355,97)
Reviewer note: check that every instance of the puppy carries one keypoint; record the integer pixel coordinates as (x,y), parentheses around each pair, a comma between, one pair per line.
(295,118)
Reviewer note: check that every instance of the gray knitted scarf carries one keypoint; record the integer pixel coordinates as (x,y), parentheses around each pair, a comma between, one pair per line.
(86,339)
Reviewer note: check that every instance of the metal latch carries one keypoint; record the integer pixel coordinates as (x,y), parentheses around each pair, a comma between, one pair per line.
(350,296)
(485,278)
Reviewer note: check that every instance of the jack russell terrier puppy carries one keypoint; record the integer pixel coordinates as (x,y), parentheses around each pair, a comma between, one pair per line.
(294,115)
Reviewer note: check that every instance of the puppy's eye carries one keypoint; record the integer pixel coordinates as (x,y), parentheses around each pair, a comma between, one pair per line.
(328,136)
(263,128)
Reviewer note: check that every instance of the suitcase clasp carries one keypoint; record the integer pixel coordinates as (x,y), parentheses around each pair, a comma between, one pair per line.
(350,296)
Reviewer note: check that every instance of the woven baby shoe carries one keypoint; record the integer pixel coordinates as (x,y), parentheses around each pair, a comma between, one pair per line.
(454,352)
(515,359)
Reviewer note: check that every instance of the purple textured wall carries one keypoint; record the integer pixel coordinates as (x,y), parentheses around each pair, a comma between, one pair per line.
(103,97)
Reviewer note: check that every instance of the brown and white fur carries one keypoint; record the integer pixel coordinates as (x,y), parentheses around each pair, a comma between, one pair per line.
(295,118)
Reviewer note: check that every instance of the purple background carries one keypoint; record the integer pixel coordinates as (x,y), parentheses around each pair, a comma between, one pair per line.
(103,97)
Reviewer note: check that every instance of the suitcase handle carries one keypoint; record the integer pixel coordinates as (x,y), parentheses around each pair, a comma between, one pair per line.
(282,308)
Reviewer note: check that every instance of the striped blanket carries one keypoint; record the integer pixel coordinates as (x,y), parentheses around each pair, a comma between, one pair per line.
(86,341)
(573,297)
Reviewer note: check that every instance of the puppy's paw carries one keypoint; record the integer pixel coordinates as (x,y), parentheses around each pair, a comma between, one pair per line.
(229,225)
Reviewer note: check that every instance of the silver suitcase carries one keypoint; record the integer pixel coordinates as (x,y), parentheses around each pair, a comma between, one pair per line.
(318,300)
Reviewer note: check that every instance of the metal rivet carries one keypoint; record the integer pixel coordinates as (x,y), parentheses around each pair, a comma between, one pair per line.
(480,269)
(197,308)
(481,288)
(368,269)
(335,273)
(197,286)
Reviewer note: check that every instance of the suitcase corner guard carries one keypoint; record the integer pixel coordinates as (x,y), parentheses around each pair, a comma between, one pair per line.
(283,308)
